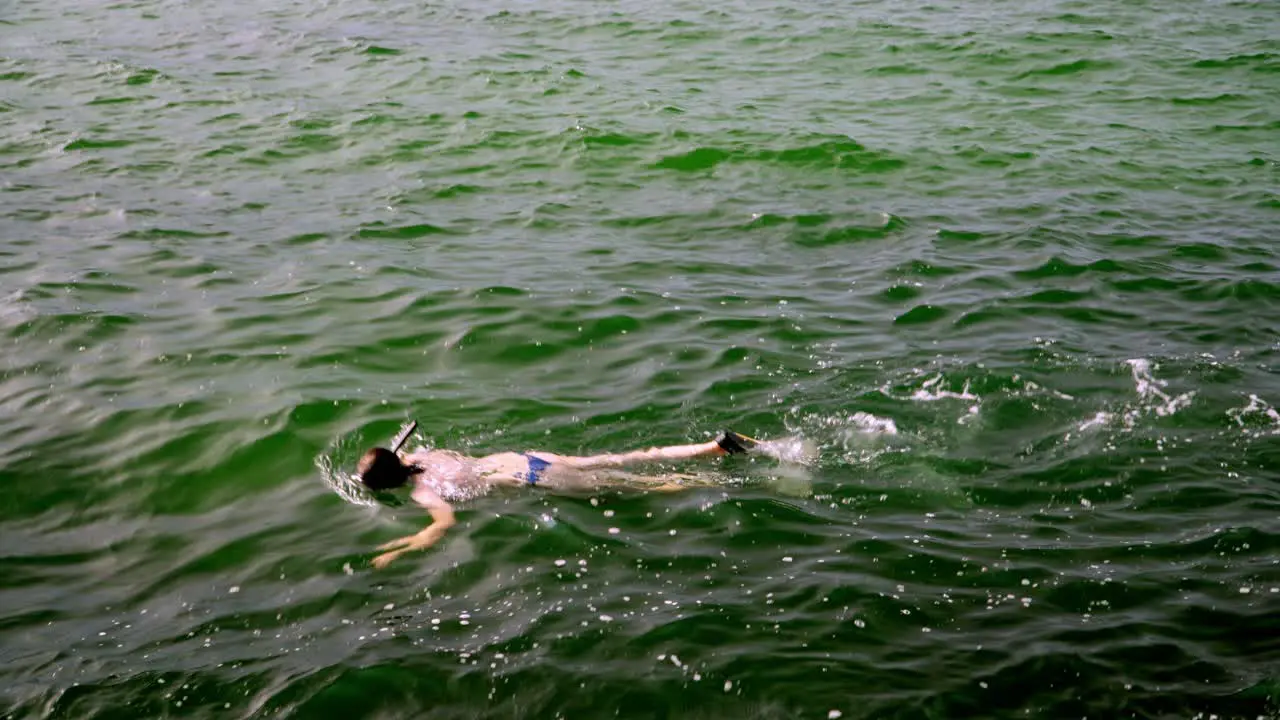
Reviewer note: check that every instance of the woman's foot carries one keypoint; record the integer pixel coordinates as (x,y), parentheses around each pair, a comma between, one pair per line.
(736,443)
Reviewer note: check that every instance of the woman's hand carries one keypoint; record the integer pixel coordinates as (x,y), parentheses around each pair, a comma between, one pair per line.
(397,548)
(442,519)
(409,543)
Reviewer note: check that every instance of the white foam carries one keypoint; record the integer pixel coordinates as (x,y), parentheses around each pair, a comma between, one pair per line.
(1098,420)
(868,423)
(932,391)
(1151,394)
(1260,408)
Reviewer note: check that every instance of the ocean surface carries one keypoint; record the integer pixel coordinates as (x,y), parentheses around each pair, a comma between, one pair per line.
(1000,279)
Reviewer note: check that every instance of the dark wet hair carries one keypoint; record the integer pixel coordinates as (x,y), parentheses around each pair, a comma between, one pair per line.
(381,469)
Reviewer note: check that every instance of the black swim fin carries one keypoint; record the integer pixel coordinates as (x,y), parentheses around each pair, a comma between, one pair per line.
(735,443)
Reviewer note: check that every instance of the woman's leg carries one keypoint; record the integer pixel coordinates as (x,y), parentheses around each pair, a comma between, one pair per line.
(636,457)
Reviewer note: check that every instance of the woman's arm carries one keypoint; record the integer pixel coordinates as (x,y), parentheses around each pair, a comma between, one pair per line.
(441,520)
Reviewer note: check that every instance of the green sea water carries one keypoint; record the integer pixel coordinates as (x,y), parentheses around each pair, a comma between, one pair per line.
(1011,268)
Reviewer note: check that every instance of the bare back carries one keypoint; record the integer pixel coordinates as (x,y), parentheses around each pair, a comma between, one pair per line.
(450,475)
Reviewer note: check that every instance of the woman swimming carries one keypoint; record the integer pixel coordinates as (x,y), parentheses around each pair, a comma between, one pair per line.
(438,476)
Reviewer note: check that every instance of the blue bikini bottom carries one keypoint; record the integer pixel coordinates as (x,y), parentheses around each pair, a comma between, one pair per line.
(536,466)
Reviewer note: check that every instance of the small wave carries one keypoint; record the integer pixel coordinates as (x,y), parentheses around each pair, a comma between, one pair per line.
(921,314)
(822,152)
(379,230)
(1070,68)
(883,226)
(1263,59)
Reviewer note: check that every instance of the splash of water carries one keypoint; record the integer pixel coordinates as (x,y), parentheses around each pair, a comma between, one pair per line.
(853,438)
(344,485)
(794,449)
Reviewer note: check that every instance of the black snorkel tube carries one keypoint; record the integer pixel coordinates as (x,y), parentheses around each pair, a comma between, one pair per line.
(403,436)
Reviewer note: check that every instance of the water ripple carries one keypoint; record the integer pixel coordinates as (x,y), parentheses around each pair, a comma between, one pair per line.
(1005,288)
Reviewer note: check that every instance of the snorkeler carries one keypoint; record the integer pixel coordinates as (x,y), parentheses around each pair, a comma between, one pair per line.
(439,474)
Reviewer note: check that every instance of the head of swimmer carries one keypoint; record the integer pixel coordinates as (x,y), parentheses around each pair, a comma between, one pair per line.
(381,469)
